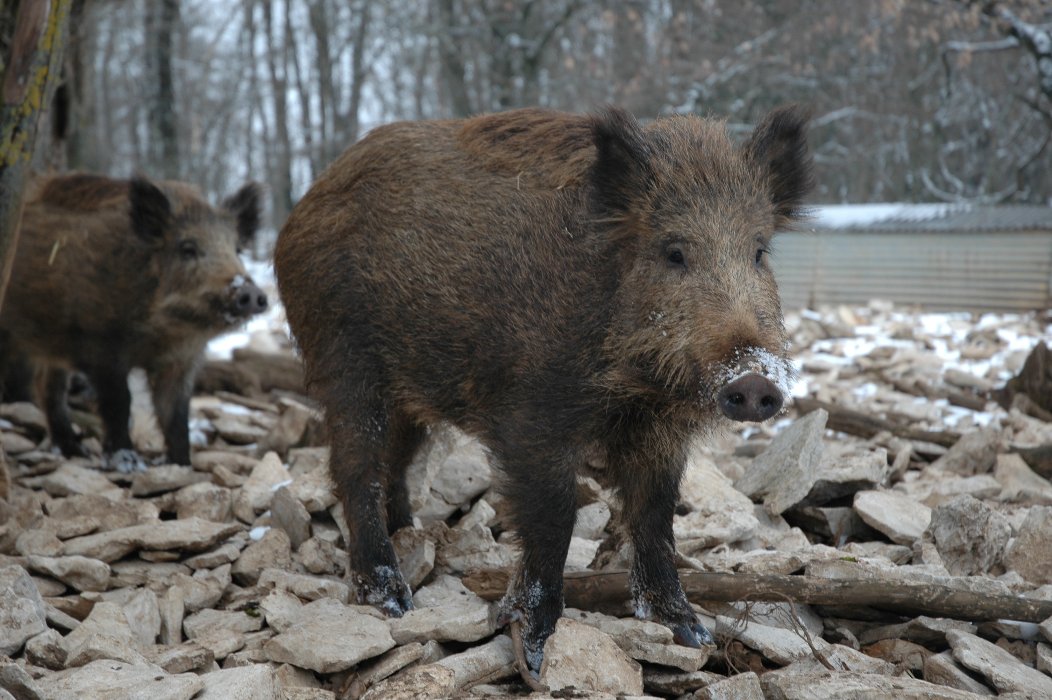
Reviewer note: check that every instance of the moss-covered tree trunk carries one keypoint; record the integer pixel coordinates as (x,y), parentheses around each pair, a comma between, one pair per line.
(28,78)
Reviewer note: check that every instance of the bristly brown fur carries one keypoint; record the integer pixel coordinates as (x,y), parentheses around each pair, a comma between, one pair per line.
(562,287)
(111,274)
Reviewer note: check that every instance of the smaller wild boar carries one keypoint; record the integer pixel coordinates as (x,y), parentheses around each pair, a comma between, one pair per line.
(566,289)
(115,274)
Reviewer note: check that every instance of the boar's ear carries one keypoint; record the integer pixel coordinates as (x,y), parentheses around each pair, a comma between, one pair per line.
(245,205)
(622,169)
(779,145)
(150,209)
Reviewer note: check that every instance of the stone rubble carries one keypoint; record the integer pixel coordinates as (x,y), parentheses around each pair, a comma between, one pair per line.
(229,579)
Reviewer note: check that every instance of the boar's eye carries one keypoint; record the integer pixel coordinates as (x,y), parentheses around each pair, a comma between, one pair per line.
(675,257)
(759,255)
(188,250)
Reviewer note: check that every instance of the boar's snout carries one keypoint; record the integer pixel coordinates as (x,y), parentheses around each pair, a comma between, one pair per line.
(248,299)
(751,397)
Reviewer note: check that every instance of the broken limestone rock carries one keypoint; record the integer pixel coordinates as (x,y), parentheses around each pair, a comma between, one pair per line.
(826,685)
(719,513)
(744,686)
(255,495)
(970,537)
(781,474)
(1019,483)
(1031,553)
(973,453)
(430,681)
(798,469)
(204,500)
(445,611)
(272,551)
(580,656)
(896,515)
(253,682)
(330,637)
(289,514)
(190,535)
(492,661)
(1005,672)
(22,612)
(644,640)
(114,680)
(81,573)
(941,669)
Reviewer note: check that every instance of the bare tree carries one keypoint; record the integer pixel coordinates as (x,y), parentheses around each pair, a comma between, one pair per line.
(162,17)
(28,78)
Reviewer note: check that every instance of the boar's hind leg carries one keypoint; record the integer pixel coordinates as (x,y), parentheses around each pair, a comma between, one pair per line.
(370,450)
(407,438)
(541,489)
(56,406)
(649,492)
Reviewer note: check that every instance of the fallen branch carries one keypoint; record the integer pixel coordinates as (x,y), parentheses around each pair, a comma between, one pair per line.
(589,589)
(863,425)
(917,387)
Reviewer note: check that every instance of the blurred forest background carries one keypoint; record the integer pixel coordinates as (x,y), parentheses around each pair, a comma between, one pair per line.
(914,100)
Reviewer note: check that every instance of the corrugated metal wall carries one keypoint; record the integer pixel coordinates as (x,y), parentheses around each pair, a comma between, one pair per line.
(982,271)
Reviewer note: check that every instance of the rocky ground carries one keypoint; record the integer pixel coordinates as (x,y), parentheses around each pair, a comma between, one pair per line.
(227,580)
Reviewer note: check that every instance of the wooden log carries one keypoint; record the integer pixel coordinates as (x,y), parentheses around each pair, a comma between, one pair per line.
(589,589)
(918,387)
(275,371)
(226,376)
(864,425)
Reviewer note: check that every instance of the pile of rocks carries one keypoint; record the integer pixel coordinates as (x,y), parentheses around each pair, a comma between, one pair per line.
(228,580)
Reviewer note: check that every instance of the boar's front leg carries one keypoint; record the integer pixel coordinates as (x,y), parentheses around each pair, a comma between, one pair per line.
(172,385)
(370,450)
(540,486)
(111,386)
(649,487)
(56,406)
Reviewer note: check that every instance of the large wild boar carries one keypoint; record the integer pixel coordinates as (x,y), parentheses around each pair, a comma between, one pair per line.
(566,289)
(115,274)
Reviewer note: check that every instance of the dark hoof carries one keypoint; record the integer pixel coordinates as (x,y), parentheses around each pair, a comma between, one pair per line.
(387,591)
(126,462)
(529,637)
(691,634)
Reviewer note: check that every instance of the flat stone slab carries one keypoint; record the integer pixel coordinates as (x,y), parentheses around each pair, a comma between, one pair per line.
(117,680)
(254,682)
(798,469)
(848,684)
(81,573)
(330,637)
(22,611)
(580,656)
(1005,671)
(896,515)
(189,535)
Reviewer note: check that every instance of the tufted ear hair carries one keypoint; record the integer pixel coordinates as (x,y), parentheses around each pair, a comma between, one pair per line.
(245,206)
(779,147)
(149,208)
(622,169)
